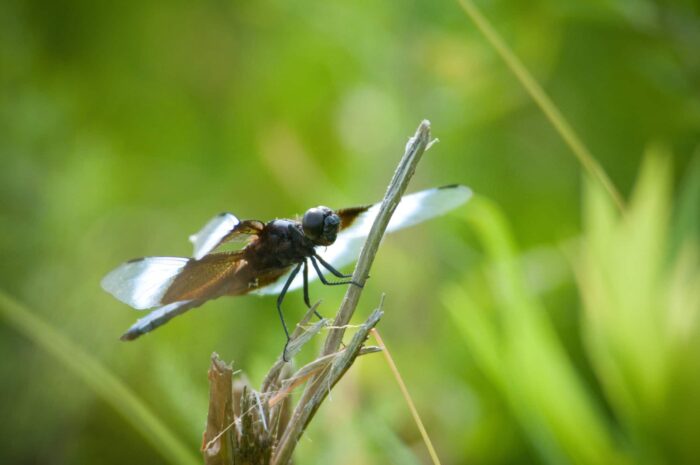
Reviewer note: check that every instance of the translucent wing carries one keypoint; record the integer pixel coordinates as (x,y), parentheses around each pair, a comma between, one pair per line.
(413,209)
(158,317)
(176,285)
(220,229)
(143,282)
(211,234)
(356,223)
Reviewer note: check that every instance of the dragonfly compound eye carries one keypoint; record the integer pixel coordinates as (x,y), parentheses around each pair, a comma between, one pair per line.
(313,222)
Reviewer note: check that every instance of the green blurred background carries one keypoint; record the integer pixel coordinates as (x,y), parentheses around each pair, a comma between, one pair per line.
(125,126)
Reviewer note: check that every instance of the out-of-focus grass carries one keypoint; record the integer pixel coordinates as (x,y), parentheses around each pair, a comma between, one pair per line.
(641,302)
(641,316)
(95,375)
(515,345)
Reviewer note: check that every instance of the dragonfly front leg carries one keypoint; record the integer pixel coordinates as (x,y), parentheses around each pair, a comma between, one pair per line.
(330,268)
(323,278)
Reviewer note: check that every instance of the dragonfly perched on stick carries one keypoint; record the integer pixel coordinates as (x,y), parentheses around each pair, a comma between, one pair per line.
(270,262)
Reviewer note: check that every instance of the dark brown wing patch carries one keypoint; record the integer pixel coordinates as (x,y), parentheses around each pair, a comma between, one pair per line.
(225,273)
(265,278)
(244,228)
(208,278)
(349,215)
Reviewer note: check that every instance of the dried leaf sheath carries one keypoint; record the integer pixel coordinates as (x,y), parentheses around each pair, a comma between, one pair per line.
(217,442)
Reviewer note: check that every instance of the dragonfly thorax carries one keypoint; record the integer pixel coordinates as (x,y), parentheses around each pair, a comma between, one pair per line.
(282,243)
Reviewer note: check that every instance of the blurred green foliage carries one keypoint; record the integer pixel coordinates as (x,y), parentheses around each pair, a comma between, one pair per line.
(125,126)
(640,330)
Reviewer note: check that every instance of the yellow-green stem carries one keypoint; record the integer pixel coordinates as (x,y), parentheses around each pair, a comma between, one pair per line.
(561,125)
(407,397)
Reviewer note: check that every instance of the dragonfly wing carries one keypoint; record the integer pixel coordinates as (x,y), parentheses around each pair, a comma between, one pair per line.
(143,282)
(412,209)
(221,229)
(153,281)
(212,233)
(158,317)
(356,223)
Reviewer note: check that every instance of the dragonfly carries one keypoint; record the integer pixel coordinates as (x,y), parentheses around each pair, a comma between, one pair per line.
(277,257)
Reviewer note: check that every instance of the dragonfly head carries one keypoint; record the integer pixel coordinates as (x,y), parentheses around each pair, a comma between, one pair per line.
(321,225)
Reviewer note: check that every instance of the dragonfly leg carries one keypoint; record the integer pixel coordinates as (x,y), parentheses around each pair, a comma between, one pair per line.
(280,298)
(307,301)
(330,268)
(323,278)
